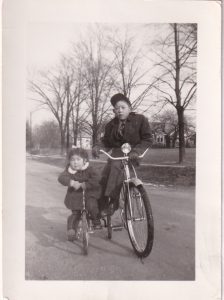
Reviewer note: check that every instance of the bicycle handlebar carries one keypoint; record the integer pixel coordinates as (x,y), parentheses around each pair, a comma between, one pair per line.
(123,157)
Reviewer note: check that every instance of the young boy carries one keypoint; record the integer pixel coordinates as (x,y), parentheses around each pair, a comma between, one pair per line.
(77,176)
(126,127)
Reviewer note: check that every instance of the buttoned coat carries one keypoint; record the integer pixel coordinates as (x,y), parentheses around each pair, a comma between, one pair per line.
(137,133)
(73,198)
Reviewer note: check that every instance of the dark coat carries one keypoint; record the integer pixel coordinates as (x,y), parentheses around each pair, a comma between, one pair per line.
(137,133)
(73,198)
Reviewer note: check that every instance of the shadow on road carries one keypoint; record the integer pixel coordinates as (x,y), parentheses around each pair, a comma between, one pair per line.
(48,233)
(51,233)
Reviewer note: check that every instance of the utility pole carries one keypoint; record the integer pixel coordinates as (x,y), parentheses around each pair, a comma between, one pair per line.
(31,134)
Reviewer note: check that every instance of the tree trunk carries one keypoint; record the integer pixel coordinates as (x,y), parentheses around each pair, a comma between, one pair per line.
(75,124)
(75,133)
(67,137)
(179,107)
(62,143)
(180,113)
(75,136)
(94,136)
(67,115)
(167,138)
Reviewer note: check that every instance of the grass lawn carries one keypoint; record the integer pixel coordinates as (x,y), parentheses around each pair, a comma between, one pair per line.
(156,174)
(153,156)
(167,156)
(170,156)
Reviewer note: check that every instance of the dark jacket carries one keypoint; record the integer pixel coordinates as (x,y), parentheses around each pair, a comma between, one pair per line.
(137,133)
(73,198)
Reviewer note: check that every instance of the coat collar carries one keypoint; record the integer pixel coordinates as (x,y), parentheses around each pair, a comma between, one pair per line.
(129,118)
(86,165)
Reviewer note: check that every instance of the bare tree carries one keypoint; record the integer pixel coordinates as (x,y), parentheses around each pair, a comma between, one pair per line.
(52,89)
(76,96)
(96,70)
(28,136)
(175,56)
(130,73)
(168,122)
(47,135)
(79,112)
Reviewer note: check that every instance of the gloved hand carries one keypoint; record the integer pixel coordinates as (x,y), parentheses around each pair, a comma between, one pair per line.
(133,156)
(95,152)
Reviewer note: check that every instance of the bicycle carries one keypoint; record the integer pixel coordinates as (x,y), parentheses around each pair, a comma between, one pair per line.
(136,213)
(84,226)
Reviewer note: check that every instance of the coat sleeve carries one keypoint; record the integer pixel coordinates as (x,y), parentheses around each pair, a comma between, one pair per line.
(64,178)
(145,136)
(93,179)
(105,142)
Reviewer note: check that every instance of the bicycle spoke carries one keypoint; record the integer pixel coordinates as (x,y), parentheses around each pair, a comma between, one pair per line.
(139,222)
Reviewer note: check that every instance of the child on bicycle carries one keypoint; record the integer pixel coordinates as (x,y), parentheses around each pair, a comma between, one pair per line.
(78,175)
(126,127)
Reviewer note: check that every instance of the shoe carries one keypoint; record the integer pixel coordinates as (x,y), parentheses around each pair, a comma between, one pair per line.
(71,235)
(97,224)
(104,213)
(109,211)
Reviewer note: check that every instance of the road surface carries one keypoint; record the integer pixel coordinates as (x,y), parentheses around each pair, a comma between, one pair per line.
(49,256)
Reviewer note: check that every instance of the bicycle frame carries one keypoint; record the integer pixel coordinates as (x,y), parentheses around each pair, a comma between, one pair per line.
(136,213)
(135,180)
(83,202)
(126,187)
(84,210)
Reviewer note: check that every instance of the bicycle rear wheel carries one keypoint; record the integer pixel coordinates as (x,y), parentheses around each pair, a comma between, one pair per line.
(139,220)
(85,233)
(109,227)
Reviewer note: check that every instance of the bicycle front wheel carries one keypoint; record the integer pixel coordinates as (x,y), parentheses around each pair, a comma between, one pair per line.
(85,233)
(139,220)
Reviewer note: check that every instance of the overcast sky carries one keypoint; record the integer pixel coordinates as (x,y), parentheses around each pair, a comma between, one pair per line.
(47,41)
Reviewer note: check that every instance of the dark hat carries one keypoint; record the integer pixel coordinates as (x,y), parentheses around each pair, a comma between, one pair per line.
(78,151)
(119,97)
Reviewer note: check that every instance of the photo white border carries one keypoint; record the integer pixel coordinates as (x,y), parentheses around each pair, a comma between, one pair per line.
(16,17)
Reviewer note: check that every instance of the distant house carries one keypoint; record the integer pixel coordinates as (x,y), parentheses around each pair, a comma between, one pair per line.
(164,136)
(159,138)
(158,134)
(189,138)
(84,142)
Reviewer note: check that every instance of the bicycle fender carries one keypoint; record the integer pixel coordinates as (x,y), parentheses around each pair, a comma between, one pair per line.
(136,181)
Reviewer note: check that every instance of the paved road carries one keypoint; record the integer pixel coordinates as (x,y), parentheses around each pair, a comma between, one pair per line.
(49,256)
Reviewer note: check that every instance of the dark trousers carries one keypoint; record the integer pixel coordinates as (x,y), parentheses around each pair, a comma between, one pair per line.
(111,183)
(73,219)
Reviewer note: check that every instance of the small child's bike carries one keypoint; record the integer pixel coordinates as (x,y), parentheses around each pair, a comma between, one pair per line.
(84,226)
(135,208)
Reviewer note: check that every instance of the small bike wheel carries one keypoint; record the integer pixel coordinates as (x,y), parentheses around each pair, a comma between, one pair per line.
(139,220)
(85,233)
(109,227)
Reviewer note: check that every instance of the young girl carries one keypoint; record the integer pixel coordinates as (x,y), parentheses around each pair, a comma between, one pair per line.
(77,176)
(126,127)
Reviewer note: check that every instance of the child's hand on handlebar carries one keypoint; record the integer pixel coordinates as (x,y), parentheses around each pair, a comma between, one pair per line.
(83,185)
(75,184)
